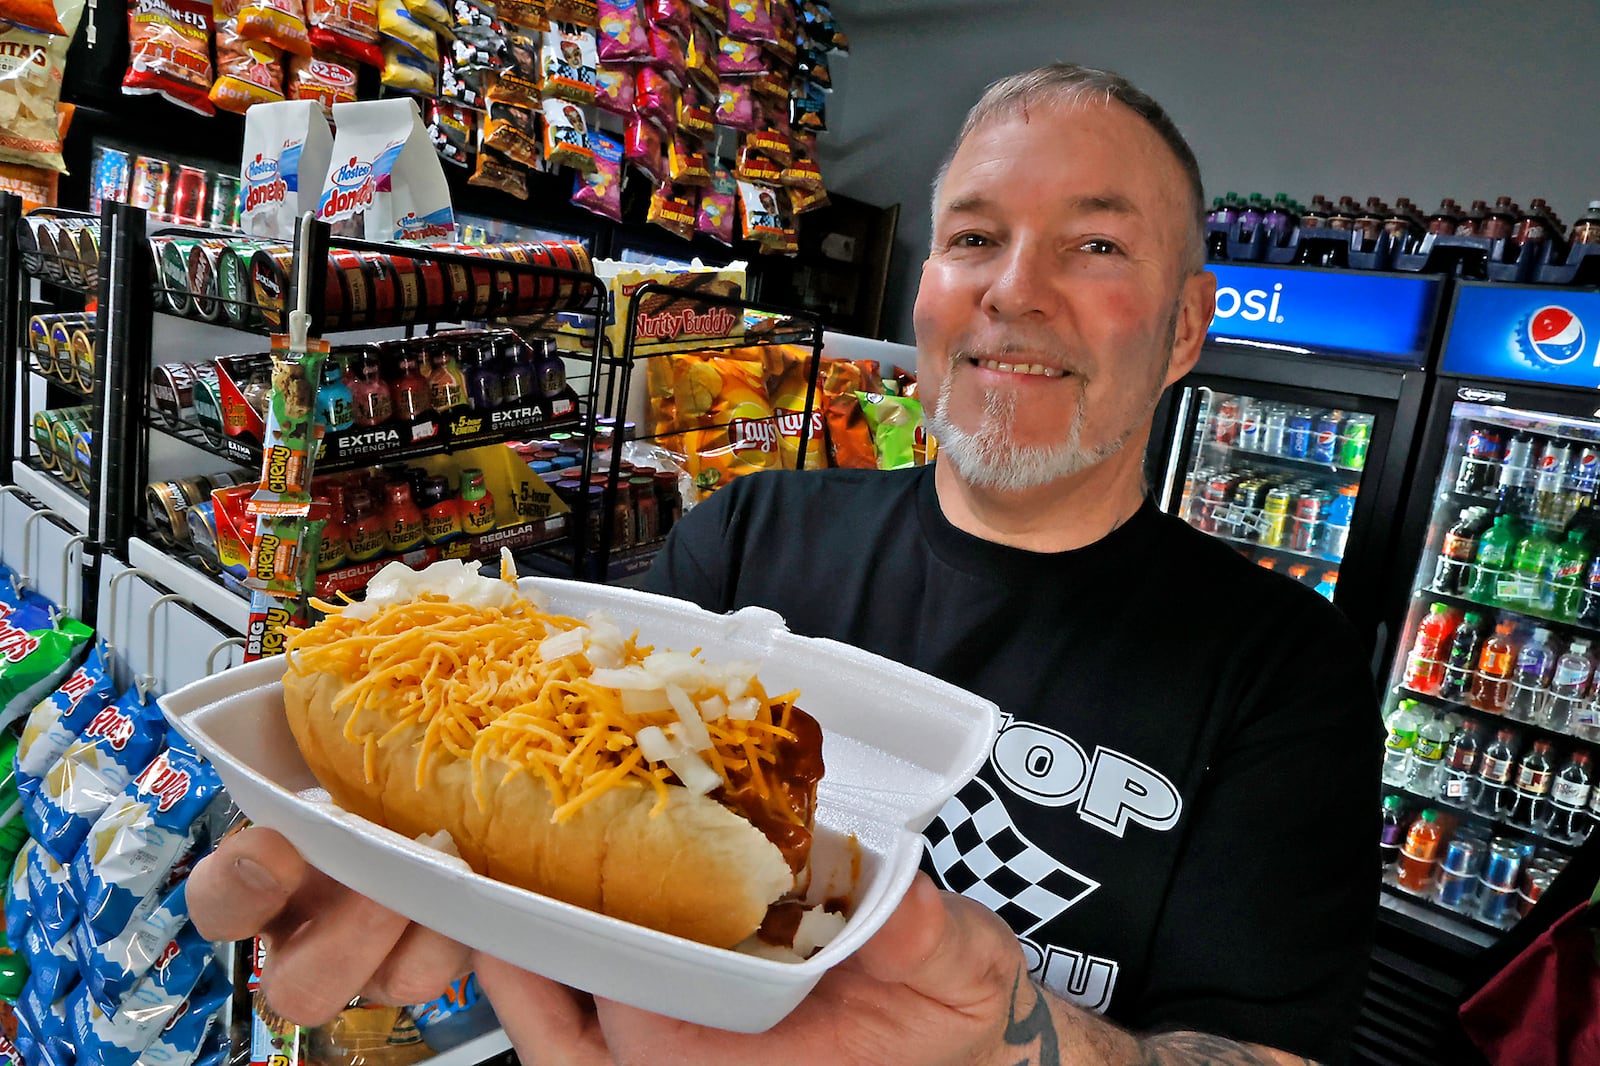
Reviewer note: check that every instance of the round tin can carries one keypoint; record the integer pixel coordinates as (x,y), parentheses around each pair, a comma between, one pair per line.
(208,407)
(83,456)
(167,503)
(172,273)
(172,391)
(410,294)
(433,289)
(61,345)
(28,249)
(204,269)
(201,528)
(88,247)
(44,439)
(82,347)
(383,280)
(270,270)
(351,268)
(235,287)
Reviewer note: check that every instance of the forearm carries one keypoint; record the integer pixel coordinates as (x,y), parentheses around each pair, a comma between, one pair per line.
(1044,1030)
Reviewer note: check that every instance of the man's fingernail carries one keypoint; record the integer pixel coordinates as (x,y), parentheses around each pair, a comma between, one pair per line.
(256,876)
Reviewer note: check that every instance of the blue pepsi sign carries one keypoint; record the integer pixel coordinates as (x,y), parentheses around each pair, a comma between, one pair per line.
(1380,316)
(1544,336)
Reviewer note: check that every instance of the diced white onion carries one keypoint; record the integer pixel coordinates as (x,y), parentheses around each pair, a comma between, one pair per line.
(695,773)
(563,644)
(713,707)
(677,668)
(627,677)
(694,730)
(736,678)
(817,927)
(658,747)
(639,701)
(744,710)
(605,642)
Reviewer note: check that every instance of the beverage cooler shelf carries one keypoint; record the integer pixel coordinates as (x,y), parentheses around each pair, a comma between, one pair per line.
(1501,826)
(1469,708)
(1519,610)
(1288,552)
(1429,899)
(1234,451)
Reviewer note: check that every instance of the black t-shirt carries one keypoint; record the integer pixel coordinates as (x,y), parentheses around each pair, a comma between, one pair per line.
(1177,814)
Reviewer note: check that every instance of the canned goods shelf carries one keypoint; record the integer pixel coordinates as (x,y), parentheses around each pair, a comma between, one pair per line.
(61,248)
(1429,901)
(1352,473)
(1254,546)
(71,387)
(204,591)
(50,490)
(1564,735)
(1499,825)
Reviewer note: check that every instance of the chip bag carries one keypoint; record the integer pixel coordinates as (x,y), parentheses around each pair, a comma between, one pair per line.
(570,57)
(751,20)
(56,720)
(30,87)
(643,147)
(695,118)
(760,211)
(622,32)
(248,72)
(36,652)
(19,900)
(280,23)
(347,28)
(672,207)
(37,16)
(720,410)
(513,132)
(736,106)
(577,12)
(195,1036)
(898,435)
(566,136)
(54,907)
(494,172)
(170,52)
(321,79)
(113,968)
(452,130)
(154,1002)
(529,15)
(519,79)
(613,89)
(600,190)
(687,163)
(431,13)
(789,368)
(53,966)
(667,55)
(716,213)
(656,98)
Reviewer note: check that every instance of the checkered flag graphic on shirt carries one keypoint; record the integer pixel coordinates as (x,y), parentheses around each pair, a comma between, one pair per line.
(978,852)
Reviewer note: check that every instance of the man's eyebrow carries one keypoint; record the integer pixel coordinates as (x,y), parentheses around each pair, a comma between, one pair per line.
(1104,203)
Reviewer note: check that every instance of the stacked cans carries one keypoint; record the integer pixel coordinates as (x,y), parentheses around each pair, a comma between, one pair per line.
(1273,510)
(61,249)
(62,437)
(185,194)
(1495,878)
(1333,437)
(169,506)
(63,348)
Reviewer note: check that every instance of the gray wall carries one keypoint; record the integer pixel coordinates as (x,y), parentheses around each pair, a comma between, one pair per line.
(1355,97)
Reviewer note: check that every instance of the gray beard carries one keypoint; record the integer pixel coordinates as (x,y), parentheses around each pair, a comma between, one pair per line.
(990,459)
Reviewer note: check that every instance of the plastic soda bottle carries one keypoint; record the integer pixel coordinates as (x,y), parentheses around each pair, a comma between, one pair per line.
(1494,559)
(1569,798)
(1530,579)
(1494,774)
(1461,658)
(1531,790)
(1491,690)
(1569,685)
(1427,754)
(1394,830)
(1419,858)
(1567,567)
(1458,780)
(1404,722)
(1425,665)
(1530,681)
(1453,572)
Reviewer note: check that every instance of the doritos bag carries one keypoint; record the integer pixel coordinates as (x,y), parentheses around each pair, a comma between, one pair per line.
(30,87)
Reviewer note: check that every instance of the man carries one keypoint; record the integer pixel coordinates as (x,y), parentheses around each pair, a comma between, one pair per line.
(1174,821)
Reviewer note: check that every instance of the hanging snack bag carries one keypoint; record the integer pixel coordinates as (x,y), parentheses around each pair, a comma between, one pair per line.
(452,130)
(716,214)
(788,372)
(477,49)
(280,23)
(736,106)
(286,151)
(157,1000)
(737,58)
(727,396)
(169,44)
(770,143)
(897,430)
(613,89)
(809,110)
(802,200)
(802,174)
(19,899)
(656,98)
(37,652)
(519,77)
(431,13)
(347,28)
(667,55)
(35,16)
(396,22)
(687,163)
(322,80)
(695,118)
(113,968)
(385,179)
(406,71)
(248,72)
(570,57)
(566,136)
(600,190)
(668,14)
(714,13)
(513,132)
(673,209)
(195,1036)
(531,16)
(751,20)
(54,907)
(53,967)
(577,12)
(758,208)
(494,172)
(118,743)
(754,167)
(30,87)
(701,54)
(622,32)
(643,147)
(58,719)
(474,16)
(465,85)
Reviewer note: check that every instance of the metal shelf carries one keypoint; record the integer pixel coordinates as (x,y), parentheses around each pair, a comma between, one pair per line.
(53,493)
(205,592)
(1238,454)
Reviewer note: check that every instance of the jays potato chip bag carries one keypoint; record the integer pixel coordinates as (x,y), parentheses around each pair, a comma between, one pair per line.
(31,66)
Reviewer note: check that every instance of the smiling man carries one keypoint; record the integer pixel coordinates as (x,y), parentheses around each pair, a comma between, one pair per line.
(1168,856)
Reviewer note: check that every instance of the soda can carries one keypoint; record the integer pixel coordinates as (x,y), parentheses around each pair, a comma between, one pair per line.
(1498,905)
(1533,886)
(223,211)
(1274,429)
(1250,424)
(1306,524)
(1325,438)
(1274,519)
(1457,890)
(108,177)
(1354,441)
(1297,435)
(189,196)
(1226,426)
(1504,865)
(151,186)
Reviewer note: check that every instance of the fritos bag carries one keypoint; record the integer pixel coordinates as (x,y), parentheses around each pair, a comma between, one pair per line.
(280,23)
(347,28)
(30,88)
(385,181)
(248,72)
(286,151)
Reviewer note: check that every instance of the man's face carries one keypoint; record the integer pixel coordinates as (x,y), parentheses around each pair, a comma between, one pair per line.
(1054,291)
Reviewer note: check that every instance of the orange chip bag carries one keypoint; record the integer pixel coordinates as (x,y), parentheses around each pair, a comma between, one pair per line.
(38,16)
(792,364)
(719,408)
(531,15)
(248,72)
(320,78)
(347,28)
(280,23)
(849,434)
(672,208)
(169,44)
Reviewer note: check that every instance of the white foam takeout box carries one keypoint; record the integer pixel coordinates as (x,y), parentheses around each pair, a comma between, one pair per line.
(896,745)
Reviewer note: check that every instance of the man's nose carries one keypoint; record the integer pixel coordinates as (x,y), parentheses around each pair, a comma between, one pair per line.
(1026,282)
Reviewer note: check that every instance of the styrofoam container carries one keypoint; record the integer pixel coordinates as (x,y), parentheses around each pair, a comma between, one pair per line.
(896,745)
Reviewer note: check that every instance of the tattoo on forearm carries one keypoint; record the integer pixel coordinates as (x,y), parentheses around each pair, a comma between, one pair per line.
(1203,1049)
(1036,1025)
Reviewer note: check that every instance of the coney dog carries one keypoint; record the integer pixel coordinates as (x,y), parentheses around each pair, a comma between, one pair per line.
(559,754)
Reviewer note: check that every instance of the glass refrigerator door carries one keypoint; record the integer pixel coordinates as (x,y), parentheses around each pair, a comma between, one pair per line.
(1491,709)
(1277,480)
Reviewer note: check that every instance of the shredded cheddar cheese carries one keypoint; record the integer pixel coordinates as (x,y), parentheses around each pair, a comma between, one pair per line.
(472,679)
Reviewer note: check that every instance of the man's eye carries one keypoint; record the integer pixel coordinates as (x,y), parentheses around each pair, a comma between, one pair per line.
(1099,246)
(970,240)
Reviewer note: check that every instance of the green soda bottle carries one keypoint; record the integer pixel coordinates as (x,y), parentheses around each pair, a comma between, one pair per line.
(1494,560)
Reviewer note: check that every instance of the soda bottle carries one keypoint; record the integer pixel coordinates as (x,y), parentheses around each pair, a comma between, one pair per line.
(1419,859)
(1582,476)
(1480,462)
(1589,613)
(1567,566)
(1453,572)
(1530,681)
(1569,799)
(1316,215)
(1393,832)
(1445,220)
(1279,218)
(1425,664)
(412,395)
(336,405)
(1461,658)
(1249,424)
(1427,754)
(1530,572)
(1491,690)
(1495,769)
(374,404)
(1587,229)
(1473,219)
(1251,214)
(1330,581)
(1458,783)
(1495,551)
(1531,792)
(1569,685)
(1404,722)
(1517,475)
(1549,495)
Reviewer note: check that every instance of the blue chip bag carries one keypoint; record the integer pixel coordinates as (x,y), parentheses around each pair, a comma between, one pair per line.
(23,1046)
(37,651)
(157,999)
(193,1035)
(114,746)
(112,970)
(58,718)
(136,842)
(54,907)
(461,1014)
(53,967)
(9,1055)
(19,901)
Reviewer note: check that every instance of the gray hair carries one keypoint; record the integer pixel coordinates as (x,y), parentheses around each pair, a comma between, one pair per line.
(1066,84)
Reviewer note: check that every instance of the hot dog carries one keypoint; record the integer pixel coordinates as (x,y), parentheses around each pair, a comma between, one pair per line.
(559,754)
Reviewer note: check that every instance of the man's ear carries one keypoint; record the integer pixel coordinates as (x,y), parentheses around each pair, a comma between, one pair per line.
(1195,306)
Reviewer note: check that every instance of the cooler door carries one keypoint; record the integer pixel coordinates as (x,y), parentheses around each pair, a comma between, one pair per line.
(1276,477)
(1511,542)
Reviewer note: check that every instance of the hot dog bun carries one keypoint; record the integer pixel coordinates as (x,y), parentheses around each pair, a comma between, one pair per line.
(559,756)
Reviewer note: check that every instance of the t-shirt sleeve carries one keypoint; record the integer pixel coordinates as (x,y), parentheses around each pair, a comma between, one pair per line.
(1268,923)
(696,562)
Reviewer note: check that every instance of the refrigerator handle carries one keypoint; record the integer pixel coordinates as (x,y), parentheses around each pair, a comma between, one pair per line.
(1180,425)
(1380,644)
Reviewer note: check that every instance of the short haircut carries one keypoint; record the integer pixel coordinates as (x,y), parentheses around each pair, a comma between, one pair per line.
(1068,83)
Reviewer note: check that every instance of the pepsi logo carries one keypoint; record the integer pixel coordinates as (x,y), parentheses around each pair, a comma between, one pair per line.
(352,175)
(1554,335)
